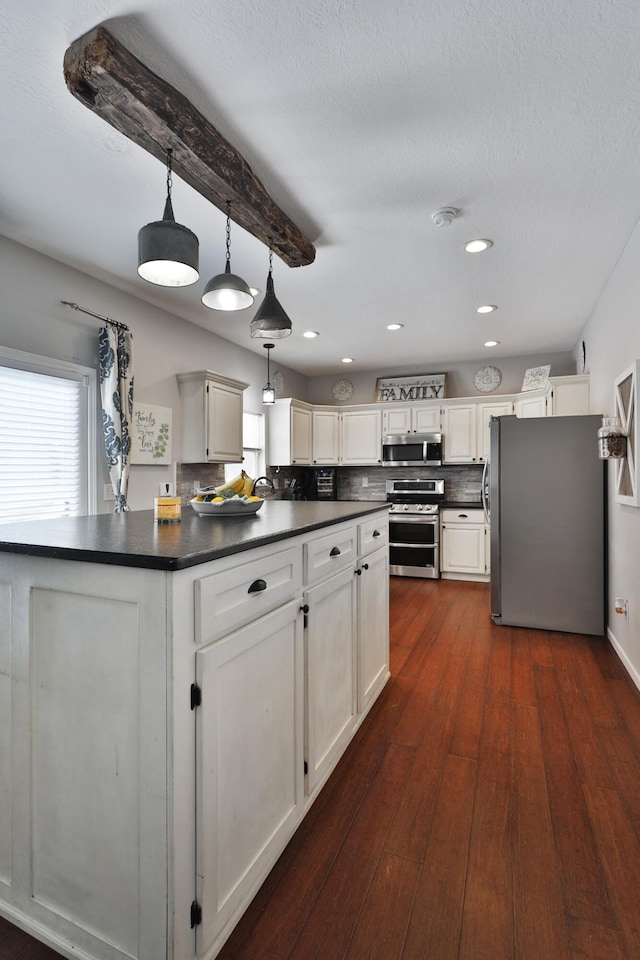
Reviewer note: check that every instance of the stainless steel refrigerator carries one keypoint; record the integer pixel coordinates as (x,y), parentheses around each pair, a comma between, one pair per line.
(546,500)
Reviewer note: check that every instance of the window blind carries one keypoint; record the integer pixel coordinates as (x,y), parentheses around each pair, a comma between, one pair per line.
(43,447)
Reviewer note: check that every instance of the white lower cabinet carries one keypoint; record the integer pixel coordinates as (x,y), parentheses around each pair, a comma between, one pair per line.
(250,779)
(373,619)
(156,726)
(463,543)
(330,649)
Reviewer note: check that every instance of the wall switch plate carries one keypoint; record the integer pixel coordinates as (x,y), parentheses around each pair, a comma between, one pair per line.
(365,481)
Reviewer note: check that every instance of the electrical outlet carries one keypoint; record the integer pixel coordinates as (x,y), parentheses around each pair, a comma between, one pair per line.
(365,481)
(622,607)
(196,486)
(165,490)
(107,492)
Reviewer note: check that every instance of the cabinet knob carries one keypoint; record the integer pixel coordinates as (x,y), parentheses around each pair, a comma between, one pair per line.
(365,566)
(335,552)
(358,572)
(304,608)
(257,586)
(376,533)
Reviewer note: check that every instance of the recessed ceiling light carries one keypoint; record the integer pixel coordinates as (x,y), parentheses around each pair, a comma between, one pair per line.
(491,343)
(395,326)
(478,246)
(347,360)
(486,308)
(310,334)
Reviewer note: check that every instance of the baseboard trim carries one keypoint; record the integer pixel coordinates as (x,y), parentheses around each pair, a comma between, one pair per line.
(629,667)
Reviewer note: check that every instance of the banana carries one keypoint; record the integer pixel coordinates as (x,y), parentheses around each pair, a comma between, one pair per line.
(237,484)
(248,485)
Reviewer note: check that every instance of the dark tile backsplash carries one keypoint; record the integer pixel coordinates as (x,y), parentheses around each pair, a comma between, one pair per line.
(462,483)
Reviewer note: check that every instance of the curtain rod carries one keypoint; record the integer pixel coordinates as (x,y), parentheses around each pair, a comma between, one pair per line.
(74,306)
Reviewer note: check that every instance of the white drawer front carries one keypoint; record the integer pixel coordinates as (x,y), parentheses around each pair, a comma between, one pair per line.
(372,534)
(465,515)
(241,593)
(326,555)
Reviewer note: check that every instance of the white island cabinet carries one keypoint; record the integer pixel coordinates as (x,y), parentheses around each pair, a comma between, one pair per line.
(160,696)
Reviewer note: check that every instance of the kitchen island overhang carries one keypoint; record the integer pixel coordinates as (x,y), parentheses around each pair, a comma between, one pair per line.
(172,700)
(132,539)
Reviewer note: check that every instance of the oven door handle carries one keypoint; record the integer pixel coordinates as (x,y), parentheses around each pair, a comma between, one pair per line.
(433,520)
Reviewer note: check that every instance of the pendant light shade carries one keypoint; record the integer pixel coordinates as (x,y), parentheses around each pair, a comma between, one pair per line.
(167,251)
(270,321)
(227,291)
(268,391)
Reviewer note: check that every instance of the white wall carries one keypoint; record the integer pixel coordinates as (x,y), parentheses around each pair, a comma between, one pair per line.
(33,319)
(459,376)
(612,339)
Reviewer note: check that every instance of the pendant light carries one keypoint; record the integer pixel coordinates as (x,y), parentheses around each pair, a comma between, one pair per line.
(270,322)
(268,391)
(226,291)
(167,251)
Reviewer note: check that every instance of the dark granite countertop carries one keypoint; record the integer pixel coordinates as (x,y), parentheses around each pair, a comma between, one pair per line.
(133,539)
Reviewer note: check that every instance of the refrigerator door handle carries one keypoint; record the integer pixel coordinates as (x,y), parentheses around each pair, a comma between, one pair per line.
(484,490)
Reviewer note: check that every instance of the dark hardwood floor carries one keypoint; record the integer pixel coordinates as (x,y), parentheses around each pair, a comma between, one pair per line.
(488,808)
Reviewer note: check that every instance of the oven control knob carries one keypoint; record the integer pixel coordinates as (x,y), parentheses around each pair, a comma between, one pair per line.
(406,506)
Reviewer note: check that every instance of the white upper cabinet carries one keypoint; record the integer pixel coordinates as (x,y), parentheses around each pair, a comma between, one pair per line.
(568,396)
(326,436)
(411,419)
(485,412)
(290,433)
(459,428)
(211,410)
(361,436)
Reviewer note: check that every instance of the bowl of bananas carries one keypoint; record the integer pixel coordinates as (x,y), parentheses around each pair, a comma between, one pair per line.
(231,499)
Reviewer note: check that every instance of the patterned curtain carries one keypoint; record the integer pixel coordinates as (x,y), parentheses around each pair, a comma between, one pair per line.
(116,389)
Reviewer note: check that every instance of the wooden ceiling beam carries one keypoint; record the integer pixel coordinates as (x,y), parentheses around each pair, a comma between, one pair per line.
(104,76)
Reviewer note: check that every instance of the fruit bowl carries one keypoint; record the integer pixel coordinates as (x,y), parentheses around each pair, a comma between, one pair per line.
(226,508)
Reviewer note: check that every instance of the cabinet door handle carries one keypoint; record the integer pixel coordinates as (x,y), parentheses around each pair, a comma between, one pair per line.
(463,516)
(365,566)
(376,533)
(358,572)
(257,586)
(335,552)
(305,610)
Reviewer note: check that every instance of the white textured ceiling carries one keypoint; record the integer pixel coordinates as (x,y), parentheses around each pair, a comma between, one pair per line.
(361,118)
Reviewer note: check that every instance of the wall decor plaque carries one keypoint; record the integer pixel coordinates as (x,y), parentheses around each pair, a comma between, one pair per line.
(536,377)
(151,434)
(423,386)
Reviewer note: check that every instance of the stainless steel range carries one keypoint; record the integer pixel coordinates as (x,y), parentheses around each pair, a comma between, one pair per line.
(414,527)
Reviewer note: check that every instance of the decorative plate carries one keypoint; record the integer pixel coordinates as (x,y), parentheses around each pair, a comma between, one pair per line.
(487,379)
(277,381)
(342,389)
(228,508)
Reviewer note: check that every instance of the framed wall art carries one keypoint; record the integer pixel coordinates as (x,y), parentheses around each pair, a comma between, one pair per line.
(151,434)
(424,386)
(627,388)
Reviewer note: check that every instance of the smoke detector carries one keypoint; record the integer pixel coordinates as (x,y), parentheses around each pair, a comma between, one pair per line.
(442,218)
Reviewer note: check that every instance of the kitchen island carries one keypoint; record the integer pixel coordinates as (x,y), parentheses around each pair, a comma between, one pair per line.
(172,699)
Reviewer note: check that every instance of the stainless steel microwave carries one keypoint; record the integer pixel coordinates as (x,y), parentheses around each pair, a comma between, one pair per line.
(412,450)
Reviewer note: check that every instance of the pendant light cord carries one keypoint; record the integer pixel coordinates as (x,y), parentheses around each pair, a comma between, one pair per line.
(169,172)
(228,231)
